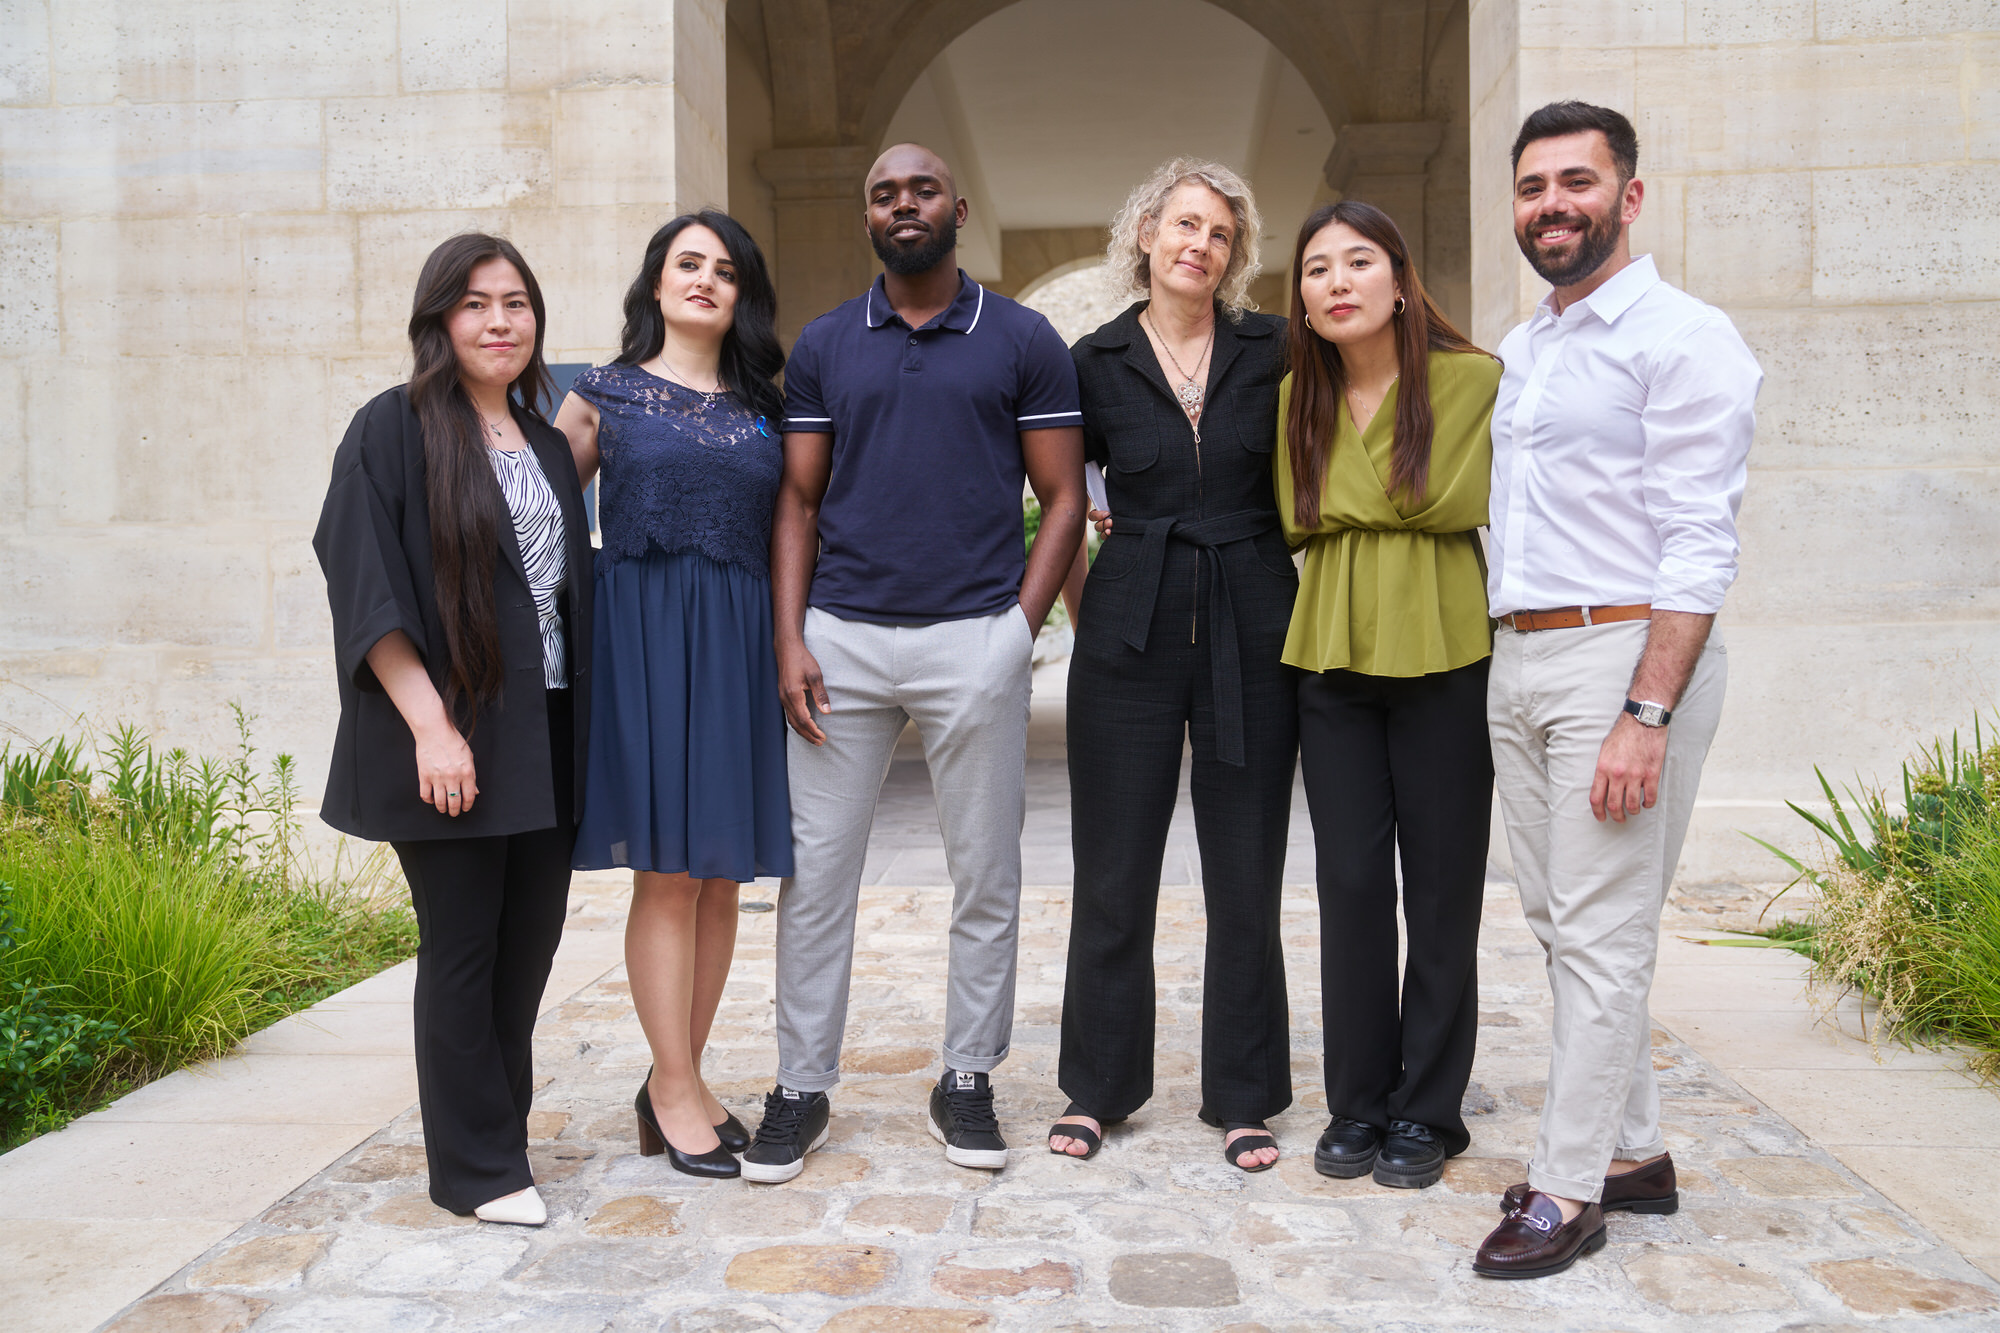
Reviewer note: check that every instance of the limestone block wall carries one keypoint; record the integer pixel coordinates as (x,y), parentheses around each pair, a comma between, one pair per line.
(212,214)
(1828,173)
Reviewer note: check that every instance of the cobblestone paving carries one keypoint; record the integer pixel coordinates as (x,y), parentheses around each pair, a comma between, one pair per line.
(1156,1232)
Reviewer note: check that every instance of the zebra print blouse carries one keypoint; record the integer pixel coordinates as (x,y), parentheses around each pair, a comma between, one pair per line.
(538,530)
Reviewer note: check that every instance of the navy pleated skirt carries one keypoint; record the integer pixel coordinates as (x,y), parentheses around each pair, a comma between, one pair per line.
(687,737)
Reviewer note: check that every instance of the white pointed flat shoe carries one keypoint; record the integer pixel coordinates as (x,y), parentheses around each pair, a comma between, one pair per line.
(522,1208)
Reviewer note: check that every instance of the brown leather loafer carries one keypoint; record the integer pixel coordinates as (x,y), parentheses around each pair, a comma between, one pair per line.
(1650,1189)
(1534,1241)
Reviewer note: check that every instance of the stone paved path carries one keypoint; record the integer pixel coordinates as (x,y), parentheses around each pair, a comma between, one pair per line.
(880,1233)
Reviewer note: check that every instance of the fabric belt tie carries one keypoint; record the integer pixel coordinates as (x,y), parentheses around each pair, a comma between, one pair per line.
(1207,536)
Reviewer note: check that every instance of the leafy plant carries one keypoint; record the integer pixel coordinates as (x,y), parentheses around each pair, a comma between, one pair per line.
(45,1056)
(161,908)
(1908,904)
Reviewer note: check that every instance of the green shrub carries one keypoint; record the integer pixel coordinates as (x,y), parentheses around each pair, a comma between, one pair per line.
(1908,905)
(45,1058)
(160,909)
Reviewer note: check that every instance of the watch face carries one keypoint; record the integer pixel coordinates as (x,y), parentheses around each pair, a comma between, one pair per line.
(1649,714)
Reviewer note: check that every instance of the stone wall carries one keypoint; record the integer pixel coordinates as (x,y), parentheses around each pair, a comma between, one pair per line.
(1827,173)
(211,216)
(211,219)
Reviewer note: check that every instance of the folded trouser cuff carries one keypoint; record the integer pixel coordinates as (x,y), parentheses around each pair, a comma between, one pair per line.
(1564,1187)
(973,1064)
(797,1082)
(1639,1154)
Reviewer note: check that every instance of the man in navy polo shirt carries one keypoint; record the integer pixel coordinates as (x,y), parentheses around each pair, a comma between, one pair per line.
(900,593)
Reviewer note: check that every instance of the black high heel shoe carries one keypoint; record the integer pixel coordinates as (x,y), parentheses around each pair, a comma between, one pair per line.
(715,1164)
(732,1133)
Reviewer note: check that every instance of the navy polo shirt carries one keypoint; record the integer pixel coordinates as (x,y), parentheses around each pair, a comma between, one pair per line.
(922,516)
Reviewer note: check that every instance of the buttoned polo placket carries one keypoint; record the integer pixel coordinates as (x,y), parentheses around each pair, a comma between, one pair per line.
(913,339)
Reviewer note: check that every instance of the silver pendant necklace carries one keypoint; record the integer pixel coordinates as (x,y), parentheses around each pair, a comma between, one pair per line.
(1189,393)
(1353,398)
(708,396)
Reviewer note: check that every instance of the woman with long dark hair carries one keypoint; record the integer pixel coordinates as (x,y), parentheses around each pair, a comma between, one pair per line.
(457,559)
(687,764)
(1177,646)
(1383,477)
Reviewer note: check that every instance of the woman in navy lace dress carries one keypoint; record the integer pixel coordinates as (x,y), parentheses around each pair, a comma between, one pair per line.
(686,781)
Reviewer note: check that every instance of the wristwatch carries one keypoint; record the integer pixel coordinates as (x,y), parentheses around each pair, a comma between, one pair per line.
(1649,714)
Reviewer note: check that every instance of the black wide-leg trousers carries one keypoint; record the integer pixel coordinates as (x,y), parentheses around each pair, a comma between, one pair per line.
(1399,763)
(489,917)
(1130,713)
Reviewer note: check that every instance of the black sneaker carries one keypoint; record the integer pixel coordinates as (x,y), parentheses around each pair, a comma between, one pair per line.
(1411,1157)
(1347,1149)
(794,1125)
(962,1120)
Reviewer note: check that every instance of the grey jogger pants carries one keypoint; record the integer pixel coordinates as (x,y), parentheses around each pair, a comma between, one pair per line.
(965,684)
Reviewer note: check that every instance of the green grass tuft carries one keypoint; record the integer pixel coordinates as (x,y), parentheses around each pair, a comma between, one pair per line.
(1908,905)
(157,909)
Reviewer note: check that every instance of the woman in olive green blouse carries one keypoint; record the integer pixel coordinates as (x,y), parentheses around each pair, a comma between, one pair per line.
(1382,473)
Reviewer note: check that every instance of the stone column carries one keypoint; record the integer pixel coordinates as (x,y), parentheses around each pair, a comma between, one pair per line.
(823,253)
(1383,164)
(701,105)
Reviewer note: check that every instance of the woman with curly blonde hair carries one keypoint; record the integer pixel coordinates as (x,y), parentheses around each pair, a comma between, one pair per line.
(1179,632)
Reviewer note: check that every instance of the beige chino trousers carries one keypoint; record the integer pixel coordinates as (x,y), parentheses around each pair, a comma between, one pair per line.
(1592,892)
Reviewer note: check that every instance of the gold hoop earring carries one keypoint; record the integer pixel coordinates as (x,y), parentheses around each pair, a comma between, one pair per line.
(1400,305)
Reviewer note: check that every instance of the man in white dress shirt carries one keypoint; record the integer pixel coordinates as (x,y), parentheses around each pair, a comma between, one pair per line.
(1620,438)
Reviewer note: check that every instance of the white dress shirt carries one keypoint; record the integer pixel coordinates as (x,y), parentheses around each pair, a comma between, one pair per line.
(1620,442)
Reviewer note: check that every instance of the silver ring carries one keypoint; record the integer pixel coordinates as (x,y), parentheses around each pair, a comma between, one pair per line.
(451,796)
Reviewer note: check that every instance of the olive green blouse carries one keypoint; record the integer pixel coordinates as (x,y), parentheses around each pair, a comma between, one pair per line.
(1393,587)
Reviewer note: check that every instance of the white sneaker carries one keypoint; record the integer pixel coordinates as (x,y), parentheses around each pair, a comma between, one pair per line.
(522,1208)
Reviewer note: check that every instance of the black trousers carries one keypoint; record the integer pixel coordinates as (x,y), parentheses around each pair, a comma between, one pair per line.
(1399,763)
(489,916)
(1129,714)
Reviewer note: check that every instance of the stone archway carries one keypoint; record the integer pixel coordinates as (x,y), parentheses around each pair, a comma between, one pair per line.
(1034,271)
(1389,75)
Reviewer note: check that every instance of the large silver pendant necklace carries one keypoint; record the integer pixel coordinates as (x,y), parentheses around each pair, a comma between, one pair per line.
(1188,392)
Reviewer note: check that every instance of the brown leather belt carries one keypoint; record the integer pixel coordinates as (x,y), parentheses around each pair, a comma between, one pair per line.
(1575,617)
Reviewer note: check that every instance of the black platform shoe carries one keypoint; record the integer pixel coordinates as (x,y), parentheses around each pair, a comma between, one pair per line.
(1411,1157)
(715,1164)
(1347,1149)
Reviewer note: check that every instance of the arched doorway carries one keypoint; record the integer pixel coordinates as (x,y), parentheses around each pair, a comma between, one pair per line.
(1051,109)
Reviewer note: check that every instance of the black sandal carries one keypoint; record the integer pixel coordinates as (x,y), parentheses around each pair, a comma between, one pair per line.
(1234,1149)
(1081,1133)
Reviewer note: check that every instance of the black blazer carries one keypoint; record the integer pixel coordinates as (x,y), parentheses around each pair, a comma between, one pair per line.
(374,546)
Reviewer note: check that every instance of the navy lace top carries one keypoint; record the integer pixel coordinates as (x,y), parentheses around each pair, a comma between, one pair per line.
(678,474)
